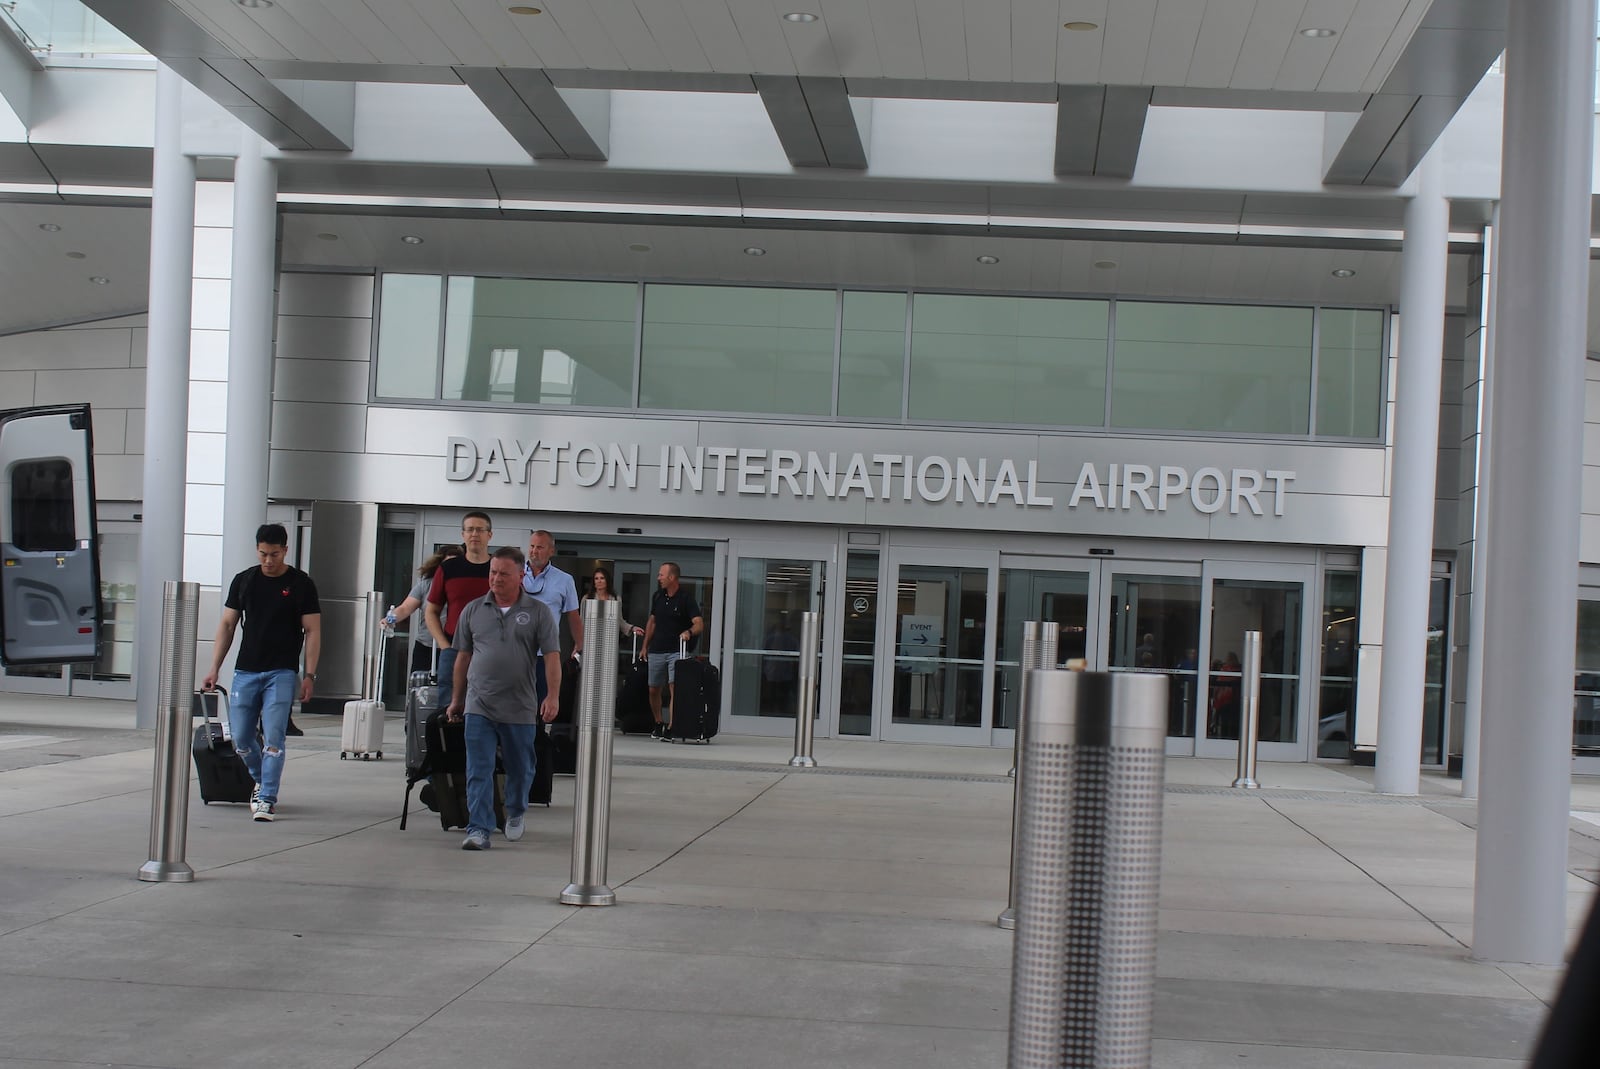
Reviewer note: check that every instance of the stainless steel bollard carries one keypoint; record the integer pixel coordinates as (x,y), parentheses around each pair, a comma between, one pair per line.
(805,717)
(169,795)
(1040,645)
(1249,710)
(373,637)
(1083,967)
(597,703)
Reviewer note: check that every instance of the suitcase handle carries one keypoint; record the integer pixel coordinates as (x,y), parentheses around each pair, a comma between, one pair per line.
(222,703)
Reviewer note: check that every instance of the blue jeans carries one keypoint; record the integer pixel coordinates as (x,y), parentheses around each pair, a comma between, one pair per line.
(447,676)
(516,753)
(261,702)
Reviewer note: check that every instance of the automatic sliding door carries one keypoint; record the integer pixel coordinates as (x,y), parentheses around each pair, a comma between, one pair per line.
(1060,594)
(940,688)
(772,586)
(1153,625)
(1272,600)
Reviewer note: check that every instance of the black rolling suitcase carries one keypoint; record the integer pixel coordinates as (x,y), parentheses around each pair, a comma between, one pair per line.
(222,773)
(445,769)
(544,770)
(563,731)
(696,699)
(633,697)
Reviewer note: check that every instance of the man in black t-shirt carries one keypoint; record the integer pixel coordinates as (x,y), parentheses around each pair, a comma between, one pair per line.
(279,607)
(674,618)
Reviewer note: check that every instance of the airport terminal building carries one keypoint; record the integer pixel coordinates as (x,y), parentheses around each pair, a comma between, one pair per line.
(1096,322)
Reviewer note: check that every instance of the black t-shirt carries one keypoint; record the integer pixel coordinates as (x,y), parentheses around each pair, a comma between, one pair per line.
(673,614)
(272,608)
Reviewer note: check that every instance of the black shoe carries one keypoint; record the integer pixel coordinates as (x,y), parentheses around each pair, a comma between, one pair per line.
(658,732)
(292,729)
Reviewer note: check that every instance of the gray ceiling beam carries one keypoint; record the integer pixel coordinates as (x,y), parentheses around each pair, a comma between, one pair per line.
(290,115)
(814,119)
(17,69)
(1099,129)
(544,120)
(1455,45)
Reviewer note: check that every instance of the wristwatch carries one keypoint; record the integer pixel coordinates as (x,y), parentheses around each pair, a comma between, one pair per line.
(311,676)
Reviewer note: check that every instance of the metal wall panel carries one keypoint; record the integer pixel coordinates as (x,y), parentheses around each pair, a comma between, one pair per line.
(343,562)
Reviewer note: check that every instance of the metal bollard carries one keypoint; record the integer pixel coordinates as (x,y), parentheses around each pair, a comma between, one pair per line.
(805,718)
(373,637)
(1040,643)
(1249,710)
(169,795)
(1083,967)
(591,816)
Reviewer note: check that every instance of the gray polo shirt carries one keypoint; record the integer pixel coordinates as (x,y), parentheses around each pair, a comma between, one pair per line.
(505,646)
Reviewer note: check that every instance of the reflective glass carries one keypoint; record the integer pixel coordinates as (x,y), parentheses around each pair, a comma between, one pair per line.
(872,356)
(860,644)
(1211,367)
(1341,606)
(1350,372)
(1438,660)
(1154,623)
(1273,609)
(536,341)
(939,626)
(773,595)
(1586,685)
(738,349)
(408,336)
(1027,360)
(1026,594)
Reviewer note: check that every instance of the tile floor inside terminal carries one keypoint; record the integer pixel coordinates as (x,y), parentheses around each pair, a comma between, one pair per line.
(766,917)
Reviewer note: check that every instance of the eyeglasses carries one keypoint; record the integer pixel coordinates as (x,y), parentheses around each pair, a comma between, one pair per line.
(474,530)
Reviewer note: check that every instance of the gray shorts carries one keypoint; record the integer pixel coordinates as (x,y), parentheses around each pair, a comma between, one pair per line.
(663,668)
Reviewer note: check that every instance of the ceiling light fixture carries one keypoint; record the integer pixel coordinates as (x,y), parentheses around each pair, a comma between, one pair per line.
(799,16)
(77,256)
(1343,272)
(1080,27)
(522,9)
(1105,265)
(50,228)
(754,250)
(638,246)
(253,3)
(100,280)
(987,259)
(1316,31)
(411,239)
(325,236)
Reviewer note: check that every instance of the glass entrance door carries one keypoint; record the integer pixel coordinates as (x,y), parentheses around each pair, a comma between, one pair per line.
(1270,599)
(1044,589)
(772,585)
(1152,623)
(941,686)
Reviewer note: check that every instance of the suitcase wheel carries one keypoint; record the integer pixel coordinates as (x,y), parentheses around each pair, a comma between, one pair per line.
(343,756)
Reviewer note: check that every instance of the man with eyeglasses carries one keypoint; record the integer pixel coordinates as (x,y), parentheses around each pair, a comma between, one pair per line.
(554,588)
(458,582)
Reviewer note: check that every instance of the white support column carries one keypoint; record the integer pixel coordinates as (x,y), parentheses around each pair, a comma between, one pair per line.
(1411,484)
(166,402)
(252,304)
(1535,464)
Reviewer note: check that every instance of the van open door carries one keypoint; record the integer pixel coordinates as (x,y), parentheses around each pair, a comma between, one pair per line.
(49,558)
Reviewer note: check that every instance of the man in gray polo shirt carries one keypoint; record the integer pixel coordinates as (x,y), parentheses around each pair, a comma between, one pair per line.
(497,643)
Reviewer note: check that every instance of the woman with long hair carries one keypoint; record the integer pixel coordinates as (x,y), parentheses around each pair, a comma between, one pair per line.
(422,647)
(603,591)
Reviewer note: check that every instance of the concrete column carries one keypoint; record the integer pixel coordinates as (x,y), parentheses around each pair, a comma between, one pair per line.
(1411,484)
(1535,465)
(166,400)
(252,305)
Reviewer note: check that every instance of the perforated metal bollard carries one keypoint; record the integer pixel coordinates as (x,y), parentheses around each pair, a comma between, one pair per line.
(1083,967)
(1040,645)
(1249,710)
(806,715)
(597,702)
(169,795)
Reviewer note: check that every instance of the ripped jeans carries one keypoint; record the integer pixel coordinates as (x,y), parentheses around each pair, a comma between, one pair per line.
(260,702)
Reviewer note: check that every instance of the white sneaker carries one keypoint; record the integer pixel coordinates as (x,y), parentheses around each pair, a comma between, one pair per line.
(475,840)
(265,811)
(514,829)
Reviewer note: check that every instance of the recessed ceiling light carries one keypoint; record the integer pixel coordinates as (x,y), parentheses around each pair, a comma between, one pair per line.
(638,246)
(1316,31)
(100,280)
(325,236)
(253,3)
(411,239)
(799,16)
(754,250)
(523,9)
(1105,265)
(987,259)
(50,228)
(1343,272)
(77,255)
(1081,27)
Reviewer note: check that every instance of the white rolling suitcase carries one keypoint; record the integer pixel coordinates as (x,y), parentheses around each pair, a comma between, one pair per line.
(362,735)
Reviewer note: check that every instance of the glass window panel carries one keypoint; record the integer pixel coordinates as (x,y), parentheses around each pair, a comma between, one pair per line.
(1341,604)
(41,506)
(1154,623)
(860,644)
(1212,367)
(1273,609)
(1350,372)
(872,356)
(1586,689)
(1027,360)
(938,665)
(738,349)
(1435,673)
(537,341)
(408,336)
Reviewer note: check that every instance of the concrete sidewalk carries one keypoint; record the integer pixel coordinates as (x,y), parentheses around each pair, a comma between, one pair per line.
(766,917)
